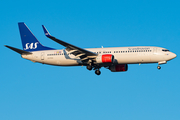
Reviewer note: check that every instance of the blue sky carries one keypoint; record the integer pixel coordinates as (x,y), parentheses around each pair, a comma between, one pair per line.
(35,91)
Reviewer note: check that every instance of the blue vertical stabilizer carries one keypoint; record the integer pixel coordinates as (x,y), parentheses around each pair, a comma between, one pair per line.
(29,41)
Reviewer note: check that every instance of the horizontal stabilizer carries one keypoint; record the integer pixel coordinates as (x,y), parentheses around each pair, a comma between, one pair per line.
(18,50)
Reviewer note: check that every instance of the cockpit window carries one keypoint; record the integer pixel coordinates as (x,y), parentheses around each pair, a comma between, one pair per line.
(165,50)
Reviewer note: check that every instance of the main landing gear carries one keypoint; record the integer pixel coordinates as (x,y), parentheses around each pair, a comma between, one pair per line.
(97,72)
(89,67)
(96,68)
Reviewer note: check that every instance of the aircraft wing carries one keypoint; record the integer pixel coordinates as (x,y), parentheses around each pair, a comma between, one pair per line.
(79,52)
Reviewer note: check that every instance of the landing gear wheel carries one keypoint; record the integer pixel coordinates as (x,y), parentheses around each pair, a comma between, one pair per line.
(98,72)
(159,67)
(89,67)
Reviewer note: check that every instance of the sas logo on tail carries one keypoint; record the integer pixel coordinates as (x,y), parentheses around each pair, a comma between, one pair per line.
(31,46)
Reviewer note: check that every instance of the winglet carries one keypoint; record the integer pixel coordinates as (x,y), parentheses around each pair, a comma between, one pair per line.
(46,31)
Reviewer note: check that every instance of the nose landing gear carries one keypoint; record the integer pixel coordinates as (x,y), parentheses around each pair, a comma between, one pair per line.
(159,63)
(159,67)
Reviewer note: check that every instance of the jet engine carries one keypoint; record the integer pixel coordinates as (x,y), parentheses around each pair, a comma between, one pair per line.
(106,58)
(118,68)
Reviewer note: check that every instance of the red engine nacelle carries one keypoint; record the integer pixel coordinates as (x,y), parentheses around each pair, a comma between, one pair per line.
(107,58)
(119,68)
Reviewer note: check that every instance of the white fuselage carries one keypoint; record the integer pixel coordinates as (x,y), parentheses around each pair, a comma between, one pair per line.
(122,55)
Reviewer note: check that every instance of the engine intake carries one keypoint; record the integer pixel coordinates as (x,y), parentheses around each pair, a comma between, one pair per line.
(106,58)
(119,68)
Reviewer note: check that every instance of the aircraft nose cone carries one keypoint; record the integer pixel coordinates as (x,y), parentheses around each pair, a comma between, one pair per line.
(174,55)
(171,56)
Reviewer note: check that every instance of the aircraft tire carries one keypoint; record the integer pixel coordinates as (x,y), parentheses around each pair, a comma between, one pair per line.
(97,72)
(159,67)
(89,67)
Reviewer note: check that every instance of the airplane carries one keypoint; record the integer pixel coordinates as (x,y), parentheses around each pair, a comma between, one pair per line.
(116,59)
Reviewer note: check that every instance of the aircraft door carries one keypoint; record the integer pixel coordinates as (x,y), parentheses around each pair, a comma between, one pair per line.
(155,50)
(140,57)
(42,56)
